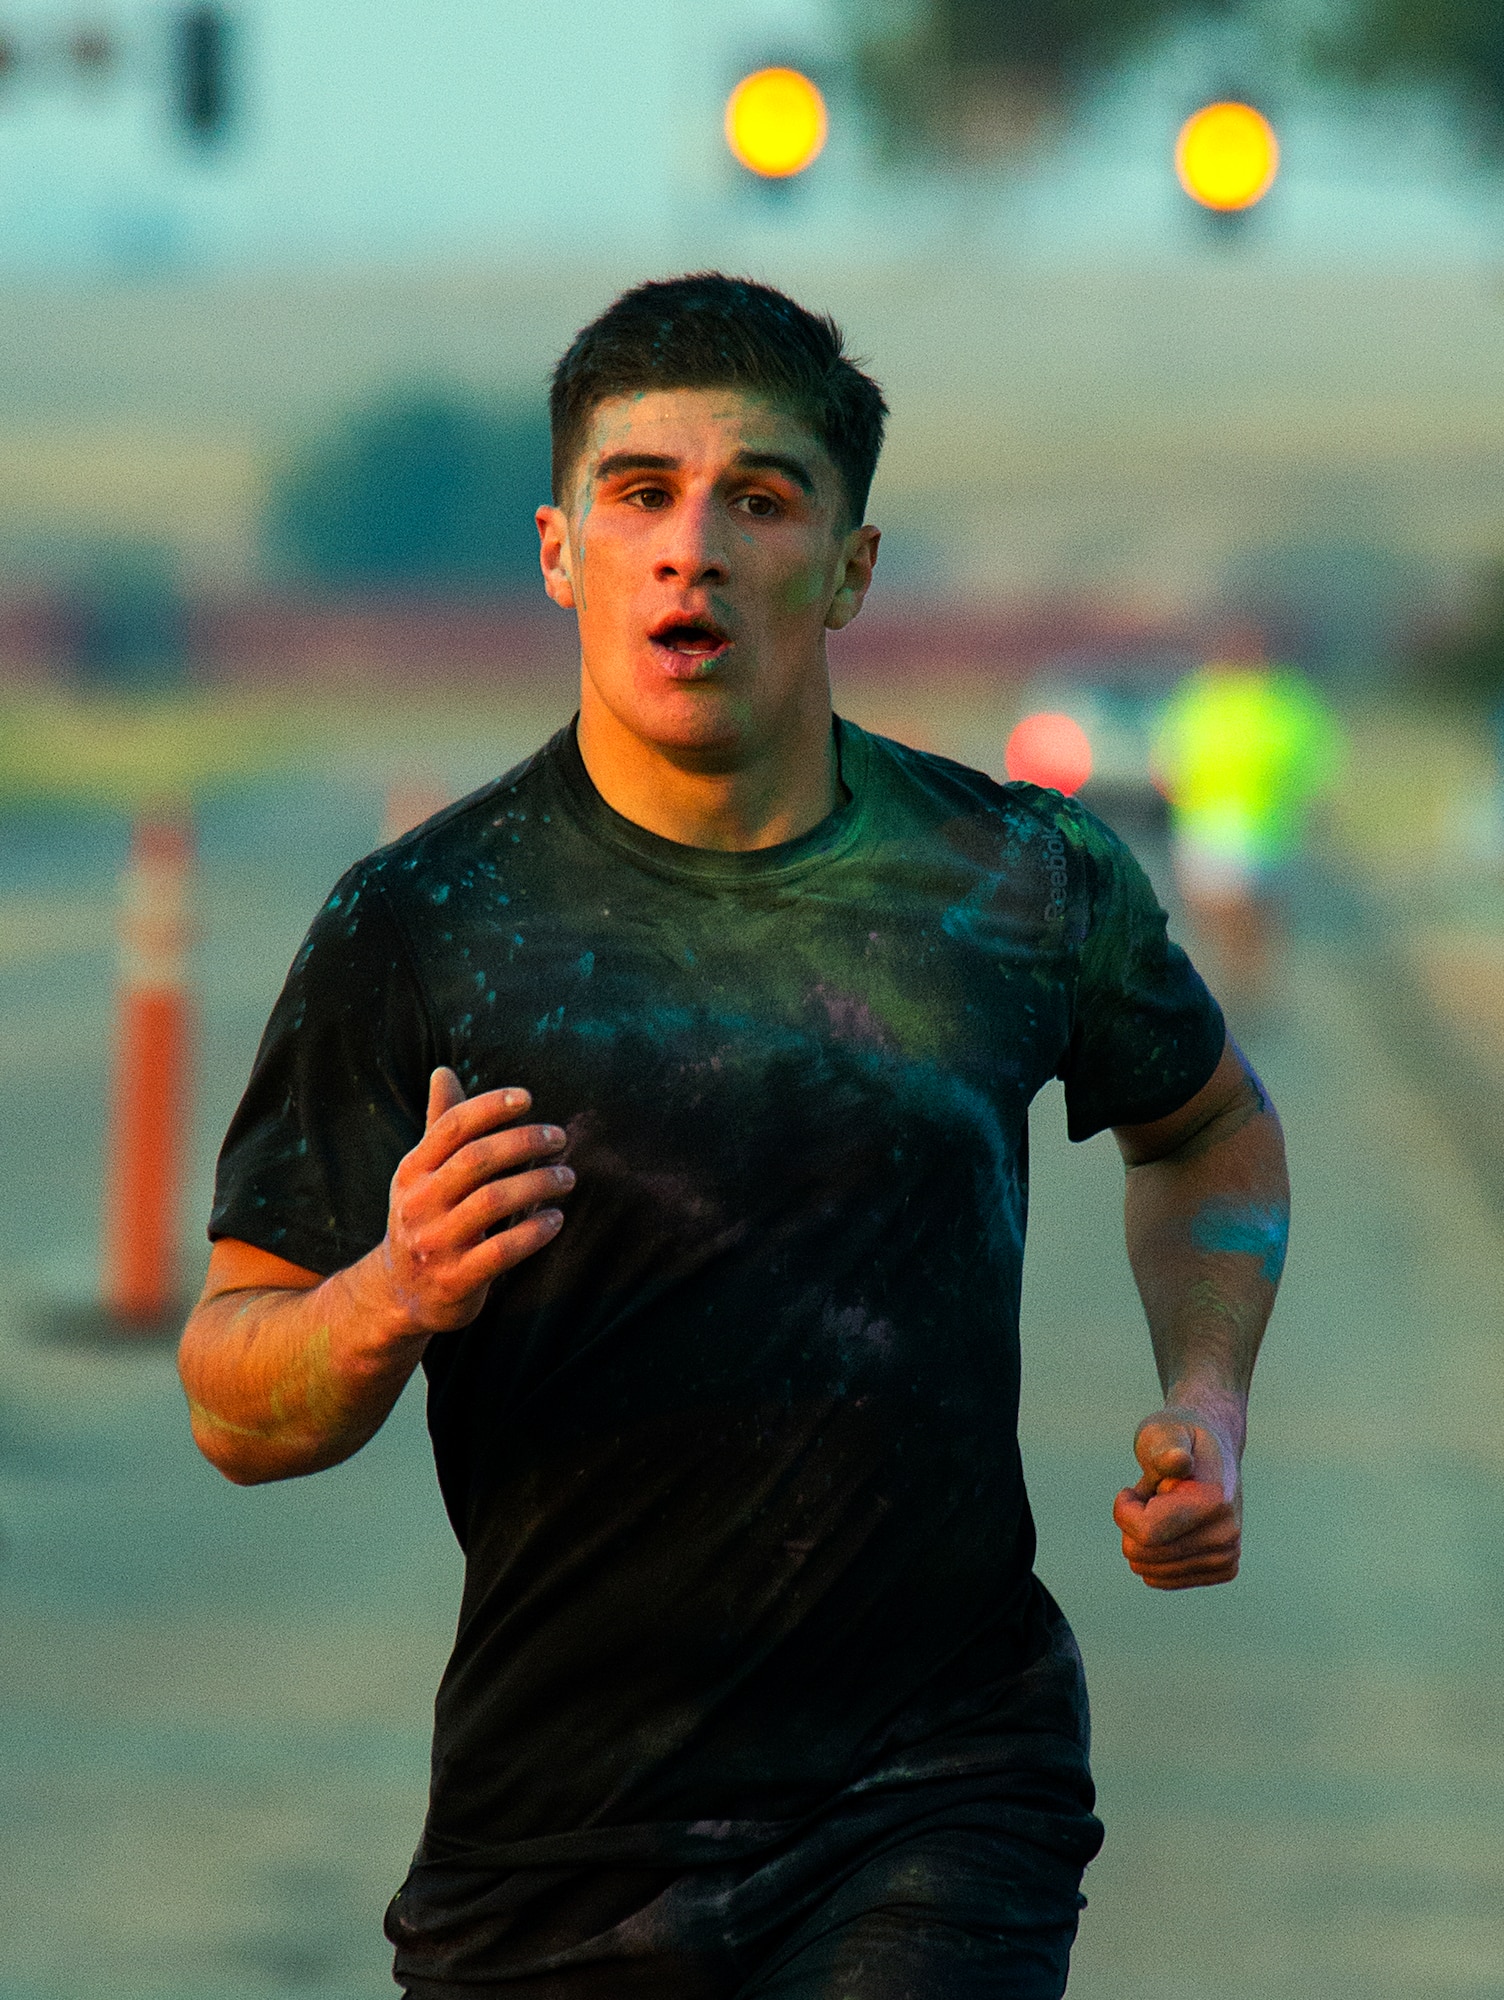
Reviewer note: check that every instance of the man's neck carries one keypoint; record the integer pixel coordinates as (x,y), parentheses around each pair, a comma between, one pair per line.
(776,794)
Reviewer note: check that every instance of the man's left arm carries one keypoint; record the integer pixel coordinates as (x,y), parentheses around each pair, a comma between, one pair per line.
(1207,1214)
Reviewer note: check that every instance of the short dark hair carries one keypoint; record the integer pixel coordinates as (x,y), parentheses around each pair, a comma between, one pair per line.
(708,331)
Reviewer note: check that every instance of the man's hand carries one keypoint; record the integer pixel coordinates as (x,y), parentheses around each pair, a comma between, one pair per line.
(1182,1523)
(467,1203)
(287,1372)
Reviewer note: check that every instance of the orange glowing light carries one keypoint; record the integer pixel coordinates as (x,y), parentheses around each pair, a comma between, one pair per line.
(1227,156)
(776,122)
(1052,750)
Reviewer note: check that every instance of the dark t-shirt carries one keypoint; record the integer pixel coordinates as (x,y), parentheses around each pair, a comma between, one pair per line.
(734,1460)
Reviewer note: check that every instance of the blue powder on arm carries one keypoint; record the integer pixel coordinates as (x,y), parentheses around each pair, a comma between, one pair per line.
(1251,1229)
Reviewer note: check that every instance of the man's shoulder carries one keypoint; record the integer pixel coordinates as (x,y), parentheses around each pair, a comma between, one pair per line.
(474,831)
(953,795)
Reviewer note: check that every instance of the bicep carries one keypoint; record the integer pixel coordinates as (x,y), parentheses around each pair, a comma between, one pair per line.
(1231,1086)
(242,1267)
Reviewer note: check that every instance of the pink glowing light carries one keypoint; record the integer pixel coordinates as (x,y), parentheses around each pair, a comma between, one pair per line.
(1051,750)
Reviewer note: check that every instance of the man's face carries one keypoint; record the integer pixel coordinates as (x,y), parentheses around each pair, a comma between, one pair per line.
(705,547)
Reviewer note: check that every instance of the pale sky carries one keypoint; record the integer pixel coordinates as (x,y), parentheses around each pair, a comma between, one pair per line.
(411,131)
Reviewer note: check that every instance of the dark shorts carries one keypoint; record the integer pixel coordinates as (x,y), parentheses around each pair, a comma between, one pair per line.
(948,1916)
(940,1911)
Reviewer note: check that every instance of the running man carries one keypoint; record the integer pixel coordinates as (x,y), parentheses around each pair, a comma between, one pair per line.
(666,1100)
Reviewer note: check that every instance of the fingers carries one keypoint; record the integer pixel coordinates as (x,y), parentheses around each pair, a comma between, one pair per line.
(494,1155)
(469,1202)
(498,1254)
(1188,1575)
(446,1287)
(1192,1507)
(1209,1554)
(444,1091)
(454,1119)
(1164,1449)
(499,1201)
(1180,1539)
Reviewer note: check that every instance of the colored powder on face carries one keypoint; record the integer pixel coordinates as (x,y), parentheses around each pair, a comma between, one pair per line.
(584,504)
(1248,1229)
(805,588)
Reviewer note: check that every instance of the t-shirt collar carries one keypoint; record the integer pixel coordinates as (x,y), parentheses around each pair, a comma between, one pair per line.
(822,843)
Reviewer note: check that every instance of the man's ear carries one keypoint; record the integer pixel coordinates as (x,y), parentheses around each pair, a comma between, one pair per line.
(855,578)
(556,555)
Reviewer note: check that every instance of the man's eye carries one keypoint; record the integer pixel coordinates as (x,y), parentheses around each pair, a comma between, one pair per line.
(651,497)
(761,504)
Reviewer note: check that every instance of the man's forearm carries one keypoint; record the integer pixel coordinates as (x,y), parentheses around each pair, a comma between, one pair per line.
(283,1382)
(1206,1228)
(1208,1205)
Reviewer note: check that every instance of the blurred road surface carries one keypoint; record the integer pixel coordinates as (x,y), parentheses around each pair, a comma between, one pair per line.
(214,1704)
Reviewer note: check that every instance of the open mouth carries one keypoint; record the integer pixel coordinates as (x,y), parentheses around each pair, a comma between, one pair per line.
(694,640)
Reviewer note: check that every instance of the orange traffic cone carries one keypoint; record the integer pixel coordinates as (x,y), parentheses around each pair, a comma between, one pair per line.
(149,1112)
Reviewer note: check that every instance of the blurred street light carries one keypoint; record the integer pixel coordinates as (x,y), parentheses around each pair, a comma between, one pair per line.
(776,123)
(1227,156)
(1051,750)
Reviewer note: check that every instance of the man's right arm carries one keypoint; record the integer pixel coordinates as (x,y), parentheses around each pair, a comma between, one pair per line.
(287,1373)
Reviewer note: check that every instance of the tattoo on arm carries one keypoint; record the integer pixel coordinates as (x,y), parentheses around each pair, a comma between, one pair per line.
(1250,1103)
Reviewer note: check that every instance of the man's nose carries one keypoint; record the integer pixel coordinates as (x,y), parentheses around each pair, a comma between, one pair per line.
(693,550)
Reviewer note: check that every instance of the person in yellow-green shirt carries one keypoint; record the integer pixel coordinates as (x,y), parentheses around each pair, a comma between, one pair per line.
(1241,752)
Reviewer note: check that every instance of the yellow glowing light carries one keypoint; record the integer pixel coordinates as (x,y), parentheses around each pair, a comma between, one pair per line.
(1227,156)
(775,122)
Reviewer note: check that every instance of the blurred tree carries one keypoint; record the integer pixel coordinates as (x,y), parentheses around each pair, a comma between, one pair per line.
(425,491)
(1459,42)
(1468,661)
(981,76)
(124,619)
(1343,607)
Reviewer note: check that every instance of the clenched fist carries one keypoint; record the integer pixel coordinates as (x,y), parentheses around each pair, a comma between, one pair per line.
(1182,1523)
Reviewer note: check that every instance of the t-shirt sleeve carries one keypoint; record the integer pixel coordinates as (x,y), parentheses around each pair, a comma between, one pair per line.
(1146,1033)
(337,1093)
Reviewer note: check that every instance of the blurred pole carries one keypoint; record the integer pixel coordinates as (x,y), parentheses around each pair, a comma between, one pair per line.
(149,1110)
(203,87)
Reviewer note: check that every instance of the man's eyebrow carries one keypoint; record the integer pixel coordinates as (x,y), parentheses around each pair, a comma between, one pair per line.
(633,461)
(777,461)
(616,463)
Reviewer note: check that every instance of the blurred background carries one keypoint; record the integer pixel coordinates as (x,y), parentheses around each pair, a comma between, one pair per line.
(1194,502)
